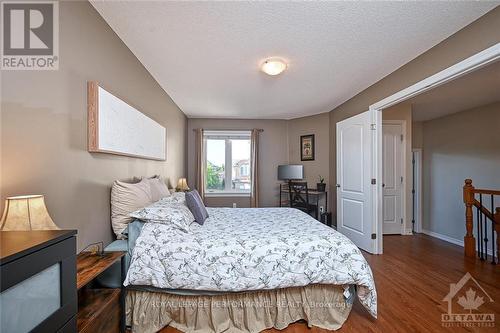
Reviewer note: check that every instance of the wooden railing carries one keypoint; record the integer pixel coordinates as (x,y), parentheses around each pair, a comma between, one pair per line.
(484,214)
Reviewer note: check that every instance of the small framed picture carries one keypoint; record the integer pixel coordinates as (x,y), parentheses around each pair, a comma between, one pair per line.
(307,147)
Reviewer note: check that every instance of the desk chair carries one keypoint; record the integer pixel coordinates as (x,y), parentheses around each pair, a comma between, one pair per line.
(299,198)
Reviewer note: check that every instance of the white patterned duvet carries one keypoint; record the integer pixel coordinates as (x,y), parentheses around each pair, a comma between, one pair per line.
(242,249)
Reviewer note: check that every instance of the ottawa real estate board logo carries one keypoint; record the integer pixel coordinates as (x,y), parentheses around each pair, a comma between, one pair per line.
(30,35)
(465,301)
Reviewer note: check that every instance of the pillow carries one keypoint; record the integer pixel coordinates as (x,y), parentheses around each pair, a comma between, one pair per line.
(126,198)
(176,197)
(196,206)
(134,230)
(159,189)
(166,212)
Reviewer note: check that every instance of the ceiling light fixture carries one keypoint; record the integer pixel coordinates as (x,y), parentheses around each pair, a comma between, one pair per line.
(273,66)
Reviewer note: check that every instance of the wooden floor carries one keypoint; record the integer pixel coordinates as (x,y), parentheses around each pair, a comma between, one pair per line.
(412,278)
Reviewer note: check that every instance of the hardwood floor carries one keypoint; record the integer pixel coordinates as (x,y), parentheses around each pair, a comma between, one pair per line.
(412,278)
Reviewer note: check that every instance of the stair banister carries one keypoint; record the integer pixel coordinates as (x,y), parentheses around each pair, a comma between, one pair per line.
(485,215)
(497,229)
(469,240)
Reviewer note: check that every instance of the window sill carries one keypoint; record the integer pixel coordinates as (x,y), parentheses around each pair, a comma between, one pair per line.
(227,194)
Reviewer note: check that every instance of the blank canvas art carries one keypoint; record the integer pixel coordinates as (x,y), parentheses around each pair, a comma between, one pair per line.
(116,127)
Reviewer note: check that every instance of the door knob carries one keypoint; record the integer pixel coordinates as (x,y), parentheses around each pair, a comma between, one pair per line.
(338,185)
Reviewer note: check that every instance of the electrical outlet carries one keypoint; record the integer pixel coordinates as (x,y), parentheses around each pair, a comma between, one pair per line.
(234,204)
(321,209)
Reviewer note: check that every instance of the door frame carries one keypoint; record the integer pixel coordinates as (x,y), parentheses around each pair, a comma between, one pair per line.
(403,172)
(455,71)
(417,185)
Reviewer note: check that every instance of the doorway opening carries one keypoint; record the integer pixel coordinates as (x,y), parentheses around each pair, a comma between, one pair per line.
(360,155)
(446,113)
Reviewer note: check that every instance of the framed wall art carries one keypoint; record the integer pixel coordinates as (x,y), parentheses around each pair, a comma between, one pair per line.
(116,127)
(307,147)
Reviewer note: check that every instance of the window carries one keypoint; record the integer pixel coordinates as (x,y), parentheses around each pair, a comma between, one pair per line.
(227,163)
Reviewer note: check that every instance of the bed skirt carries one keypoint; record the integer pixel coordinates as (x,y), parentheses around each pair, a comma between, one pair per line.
(324,306)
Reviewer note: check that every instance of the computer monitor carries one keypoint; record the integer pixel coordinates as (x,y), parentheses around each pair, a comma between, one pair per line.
(291,172)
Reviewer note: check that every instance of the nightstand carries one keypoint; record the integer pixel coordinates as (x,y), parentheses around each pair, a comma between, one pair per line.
(99,309)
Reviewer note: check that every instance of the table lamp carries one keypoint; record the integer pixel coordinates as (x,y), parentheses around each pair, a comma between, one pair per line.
(26,212)
(182,185)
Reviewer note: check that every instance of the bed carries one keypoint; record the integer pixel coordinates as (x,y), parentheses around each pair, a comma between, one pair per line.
(245,270)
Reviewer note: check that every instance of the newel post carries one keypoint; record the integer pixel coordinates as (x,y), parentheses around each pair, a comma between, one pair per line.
(497,229)
(469,240)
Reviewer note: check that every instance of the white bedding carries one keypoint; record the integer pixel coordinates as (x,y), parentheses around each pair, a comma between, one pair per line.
(250,249)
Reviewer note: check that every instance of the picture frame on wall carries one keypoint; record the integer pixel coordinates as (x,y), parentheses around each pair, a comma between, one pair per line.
(116,127)
(307,147)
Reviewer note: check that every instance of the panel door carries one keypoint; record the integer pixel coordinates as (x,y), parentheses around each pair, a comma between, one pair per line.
(354,196)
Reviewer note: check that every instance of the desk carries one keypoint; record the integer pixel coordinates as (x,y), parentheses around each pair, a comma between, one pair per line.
(312,192)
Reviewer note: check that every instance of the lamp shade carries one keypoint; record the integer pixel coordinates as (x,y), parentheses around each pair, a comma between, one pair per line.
(182,185)
(26,213)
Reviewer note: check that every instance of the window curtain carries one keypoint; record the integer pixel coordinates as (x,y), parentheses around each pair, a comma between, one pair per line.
(200,162)
(254,173)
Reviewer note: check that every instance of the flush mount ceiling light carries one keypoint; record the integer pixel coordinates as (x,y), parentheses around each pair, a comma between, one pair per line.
(273,66)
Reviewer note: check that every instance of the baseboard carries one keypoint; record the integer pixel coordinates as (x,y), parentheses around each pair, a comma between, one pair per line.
(444,237)
(448,239)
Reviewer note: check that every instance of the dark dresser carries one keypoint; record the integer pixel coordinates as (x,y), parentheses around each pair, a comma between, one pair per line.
(38,281)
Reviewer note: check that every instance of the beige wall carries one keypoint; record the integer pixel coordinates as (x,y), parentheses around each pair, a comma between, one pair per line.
(44,124)
(319,126)
(279,144)
(418,134)
(403,111)
(273,151)
(474,38)
(456,147)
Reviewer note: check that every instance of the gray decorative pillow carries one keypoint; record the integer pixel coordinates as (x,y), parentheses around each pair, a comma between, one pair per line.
(196,206)
(175,214)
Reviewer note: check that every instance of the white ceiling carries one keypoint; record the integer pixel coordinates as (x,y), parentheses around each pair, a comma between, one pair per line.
(206,55)
(481,87)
